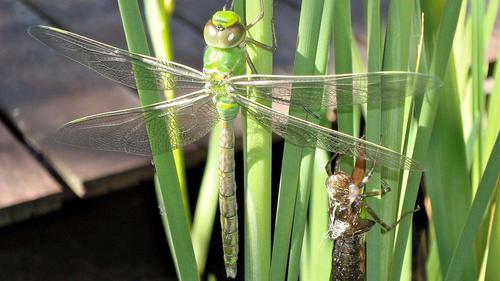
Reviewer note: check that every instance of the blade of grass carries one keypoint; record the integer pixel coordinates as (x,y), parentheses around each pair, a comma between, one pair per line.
(257,143)
(319,258)
(207,203)
(493,104)
(494,100)
(447,157)
(432,264)
(492,268)
(171,199)
(373,130)
(308,175)
(439,62)
(342,35)
(310,16)
(158,15)
(396,57)
(477,68)
(484,196)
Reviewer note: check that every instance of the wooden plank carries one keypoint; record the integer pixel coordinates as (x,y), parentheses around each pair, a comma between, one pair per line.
(26,188)
(40,91)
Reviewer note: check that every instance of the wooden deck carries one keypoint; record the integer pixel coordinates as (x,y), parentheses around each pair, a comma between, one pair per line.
(41,90)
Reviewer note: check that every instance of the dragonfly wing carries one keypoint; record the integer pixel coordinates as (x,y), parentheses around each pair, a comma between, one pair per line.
(175,123)
(315,92)
(303,133)
(120,65)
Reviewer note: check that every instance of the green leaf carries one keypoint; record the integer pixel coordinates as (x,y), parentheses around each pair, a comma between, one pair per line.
(482,200)
(445,26)
(309,23)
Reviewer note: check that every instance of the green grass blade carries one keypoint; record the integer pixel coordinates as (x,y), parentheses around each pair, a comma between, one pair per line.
(308,172)
(208,201)
(316,251)
(257,154)
(484,196)
(432,263)
(171,199)
(396,57)
(447,157)
(492,268)
(310,17)
(373,130)
(342,35)
(300,214)
(439,62)
(493,120)
(158,16)
(477,69)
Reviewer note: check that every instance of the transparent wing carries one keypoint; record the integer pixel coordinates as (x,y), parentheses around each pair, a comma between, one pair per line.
(119,65)
(315,92)
(180,121)
(303,133)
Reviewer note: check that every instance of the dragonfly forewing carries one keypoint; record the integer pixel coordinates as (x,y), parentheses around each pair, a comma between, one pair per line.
(316,92)
(303,133)
(187,119)
(119,65)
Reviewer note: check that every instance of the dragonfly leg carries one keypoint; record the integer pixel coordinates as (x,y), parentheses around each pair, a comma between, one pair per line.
(387,227)
(380,192)
(259,17)
(230,5)
(364,226)
(251,65)
(261,45)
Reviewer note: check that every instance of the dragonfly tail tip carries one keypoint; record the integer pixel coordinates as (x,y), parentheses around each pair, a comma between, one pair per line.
(231,271)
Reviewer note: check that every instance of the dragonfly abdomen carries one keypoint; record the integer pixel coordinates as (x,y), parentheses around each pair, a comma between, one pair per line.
(227,198)
(349,259)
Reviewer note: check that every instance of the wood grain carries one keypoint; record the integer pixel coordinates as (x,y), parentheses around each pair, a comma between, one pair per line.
(26,188)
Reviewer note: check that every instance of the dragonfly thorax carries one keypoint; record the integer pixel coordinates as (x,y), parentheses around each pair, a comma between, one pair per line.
(341,189)
(222,97)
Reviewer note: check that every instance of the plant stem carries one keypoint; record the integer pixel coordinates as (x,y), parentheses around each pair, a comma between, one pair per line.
(440,57)
(257,143)
(310,18)
(177,230)
(158,18)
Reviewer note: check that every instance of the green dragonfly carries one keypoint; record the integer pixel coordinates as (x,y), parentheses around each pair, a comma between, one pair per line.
(217,93)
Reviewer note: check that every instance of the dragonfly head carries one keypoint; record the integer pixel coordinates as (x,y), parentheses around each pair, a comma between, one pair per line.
(224,30)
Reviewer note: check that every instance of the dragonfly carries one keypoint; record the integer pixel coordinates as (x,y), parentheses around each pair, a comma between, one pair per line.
(216,95)
(346,226)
